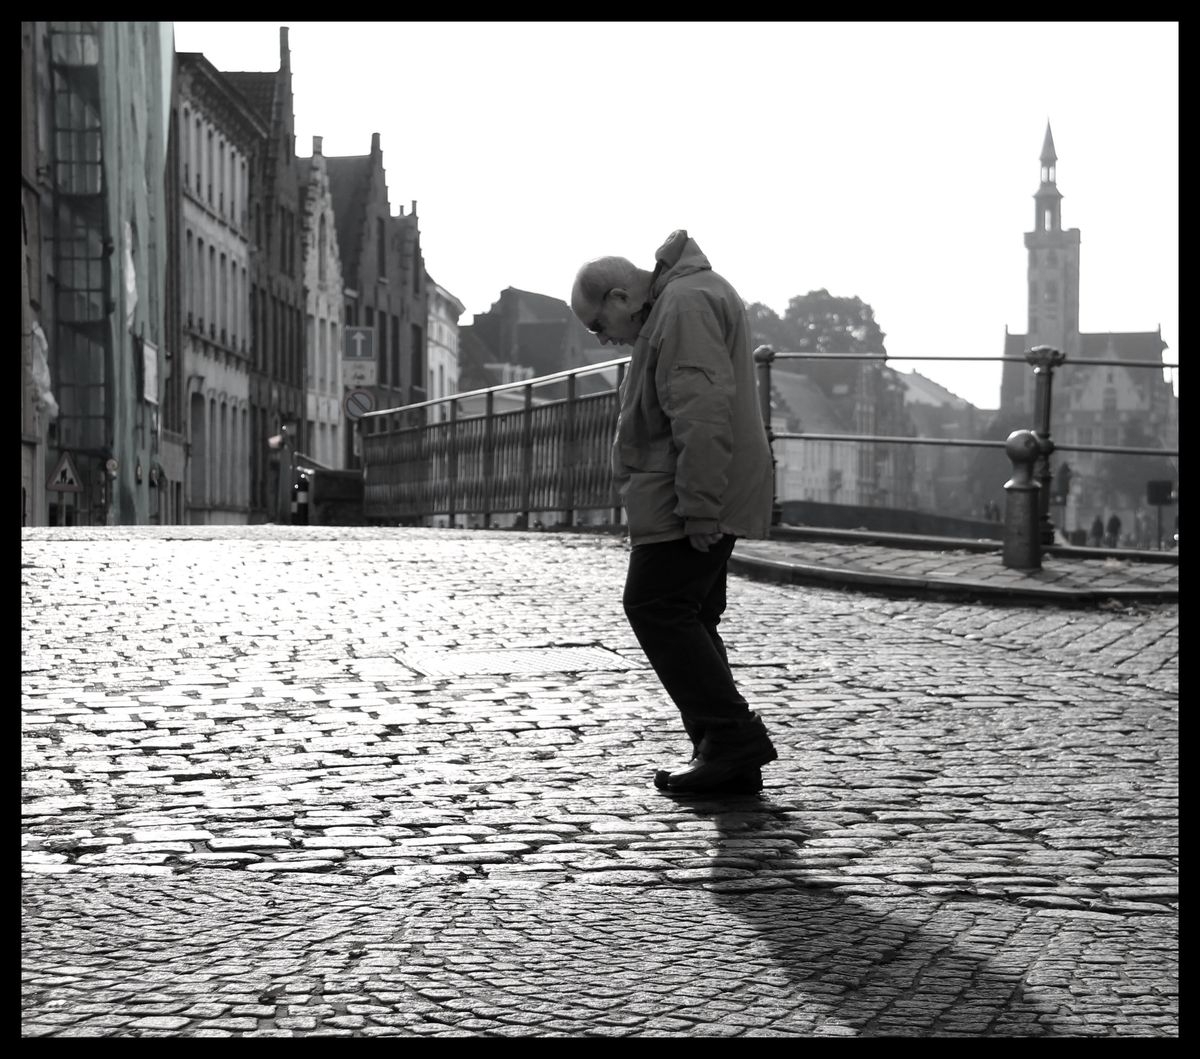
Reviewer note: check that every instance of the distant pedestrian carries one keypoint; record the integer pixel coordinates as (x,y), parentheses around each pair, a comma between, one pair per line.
(1096,537)
(1114,530)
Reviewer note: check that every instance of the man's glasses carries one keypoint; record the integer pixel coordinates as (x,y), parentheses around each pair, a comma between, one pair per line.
(596,327)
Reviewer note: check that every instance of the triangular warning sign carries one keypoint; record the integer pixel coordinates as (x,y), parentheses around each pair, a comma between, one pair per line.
(64,478)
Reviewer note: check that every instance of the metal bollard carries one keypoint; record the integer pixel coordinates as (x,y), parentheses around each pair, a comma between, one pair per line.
(300,502)
(1022,535)
(1044,360)
(763,356)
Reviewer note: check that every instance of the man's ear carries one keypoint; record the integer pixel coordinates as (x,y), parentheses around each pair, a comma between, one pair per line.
(619,292)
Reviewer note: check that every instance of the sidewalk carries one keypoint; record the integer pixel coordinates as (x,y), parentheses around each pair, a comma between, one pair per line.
(951,568)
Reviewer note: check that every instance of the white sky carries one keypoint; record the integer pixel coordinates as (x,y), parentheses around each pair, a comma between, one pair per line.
(895,161)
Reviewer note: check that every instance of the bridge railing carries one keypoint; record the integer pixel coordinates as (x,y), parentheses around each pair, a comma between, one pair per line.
(541,446)
(534,448)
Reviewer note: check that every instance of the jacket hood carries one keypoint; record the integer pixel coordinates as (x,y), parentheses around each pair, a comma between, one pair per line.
(678,256)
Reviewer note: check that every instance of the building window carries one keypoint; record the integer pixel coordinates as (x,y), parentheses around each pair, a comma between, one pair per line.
(395,351)
(1110,399)
(201,285)
(381,356)
(321,249)
(186,127)
(418,354)
(189,293)
(310,352)
(381,246)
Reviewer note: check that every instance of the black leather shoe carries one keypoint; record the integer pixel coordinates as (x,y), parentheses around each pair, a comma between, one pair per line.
(725,753)
(748,781)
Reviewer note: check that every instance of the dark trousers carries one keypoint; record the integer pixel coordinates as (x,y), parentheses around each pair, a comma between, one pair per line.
(674,598)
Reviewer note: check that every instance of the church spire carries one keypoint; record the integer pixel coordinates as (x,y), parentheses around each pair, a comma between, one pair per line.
(1048,159)
(1048,156)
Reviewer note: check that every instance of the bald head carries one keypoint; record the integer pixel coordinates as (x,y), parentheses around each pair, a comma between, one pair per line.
(611,297)
(597,277)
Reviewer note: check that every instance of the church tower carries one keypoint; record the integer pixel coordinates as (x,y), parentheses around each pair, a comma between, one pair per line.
(1053,265)
(1053,275)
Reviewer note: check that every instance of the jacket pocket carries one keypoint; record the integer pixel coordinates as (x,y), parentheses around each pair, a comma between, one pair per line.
(657,458)
(650,501)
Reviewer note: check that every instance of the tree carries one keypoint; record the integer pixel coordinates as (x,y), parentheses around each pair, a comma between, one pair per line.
(820,322)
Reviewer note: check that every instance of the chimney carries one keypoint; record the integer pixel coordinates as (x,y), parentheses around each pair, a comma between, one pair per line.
(283,47)
(374,143)
(316,145)
(414,207)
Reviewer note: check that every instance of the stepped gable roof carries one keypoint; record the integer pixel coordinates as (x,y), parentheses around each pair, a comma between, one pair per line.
(257,88)
(348,182)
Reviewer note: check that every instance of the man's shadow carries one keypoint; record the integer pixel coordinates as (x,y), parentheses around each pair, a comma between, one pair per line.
(881,966)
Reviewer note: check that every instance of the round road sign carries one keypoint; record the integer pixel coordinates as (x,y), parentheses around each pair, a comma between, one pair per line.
(358,403)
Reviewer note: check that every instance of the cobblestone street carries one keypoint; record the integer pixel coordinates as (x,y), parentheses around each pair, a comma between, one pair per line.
(289,781)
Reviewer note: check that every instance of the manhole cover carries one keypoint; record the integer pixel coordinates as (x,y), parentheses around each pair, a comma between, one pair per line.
(517,660)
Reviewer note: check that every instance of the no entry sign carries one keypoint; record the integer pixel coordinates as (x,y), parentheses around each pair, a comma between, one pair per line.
(358,403)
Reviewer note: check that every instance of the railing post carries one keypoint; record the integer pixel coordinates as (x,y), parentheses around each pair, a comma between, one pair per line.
(1044,360)
(571,452)
(1022,541)
(620,384)
(527,457)
(763,356)
(489,444)
(452,461)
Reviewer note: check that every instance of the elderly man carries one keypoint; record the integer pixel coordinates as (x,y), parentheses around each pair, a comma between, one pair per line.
(693,468)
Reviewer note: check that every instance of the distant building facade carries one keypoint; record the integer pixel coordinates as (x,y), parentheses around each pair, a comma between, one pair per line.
(383,271)
(523,335)
(325,433)
(219,136)
(277,303)
(442,336)
(1096,404)
(95,122)
(942,473)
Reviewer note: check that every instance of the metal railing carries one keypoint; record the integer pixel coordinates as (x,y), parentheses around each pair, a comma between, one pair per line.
(485,453)
(537,446)
(1043,360)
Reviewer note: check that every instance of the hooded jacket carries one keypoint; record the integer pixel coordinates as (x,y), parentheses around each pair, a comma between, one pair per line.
(691,452)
